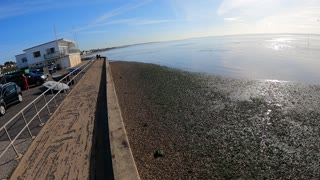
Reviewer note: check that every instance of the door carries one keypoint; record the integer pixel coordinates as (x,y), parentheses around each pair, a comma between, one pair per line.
(10,94)
(31,78)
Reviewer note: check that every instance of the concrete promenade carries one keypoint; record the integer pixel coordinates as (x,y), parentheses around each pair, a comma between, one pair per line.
(64,147)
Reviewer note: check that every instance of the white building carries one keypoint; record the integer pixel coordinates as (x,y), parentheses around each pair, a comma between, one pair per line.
(22,62)
(62,52)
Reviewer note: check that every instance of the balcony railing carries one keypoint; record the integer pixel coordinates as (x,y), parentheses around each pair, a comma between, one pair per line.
(52,55)
(62,53)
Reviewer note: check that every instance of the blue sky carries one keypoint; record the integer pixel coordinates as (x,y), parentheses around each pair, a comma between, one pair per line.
(108,23)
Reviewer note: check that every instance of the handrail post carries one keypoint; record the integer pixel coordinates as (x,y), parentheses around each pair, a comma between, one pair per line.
(12,145)
(64,91)
(59,91)
(32,137)
(41,123)
(77,77)
(45,99)
(54,98)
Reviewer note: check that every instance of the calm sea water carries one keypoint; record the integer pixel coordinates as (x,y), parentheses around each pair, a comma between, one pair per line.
(270,57)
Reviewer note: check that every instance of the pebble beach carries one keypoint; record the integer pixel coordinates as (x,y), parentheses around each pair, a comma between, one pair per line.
(184,125)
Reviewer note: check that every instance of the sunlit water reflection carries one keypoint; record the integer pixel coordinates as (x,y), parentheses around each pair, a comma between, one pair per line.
(272,57)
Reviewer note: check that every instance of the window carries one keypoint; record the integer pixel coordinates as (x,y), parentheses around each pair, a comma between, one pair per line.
(36,54)
(11,89)
(32,74)
(24,59)
(50,50)
(8,90)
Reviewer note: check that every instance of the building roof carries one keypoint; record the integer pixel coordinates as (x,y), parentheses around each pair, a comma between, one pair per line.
(62,39)
(20,54)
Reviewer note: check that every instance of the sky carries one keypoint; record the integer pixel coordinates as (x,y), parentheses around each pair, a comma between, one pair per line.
(109,23)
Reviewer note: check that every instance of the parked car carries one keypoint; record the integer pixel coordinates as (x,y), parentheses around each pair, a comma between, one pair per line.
(52,67)
(10,93)
(36,79)
(33,79)
(52,70)
(37,71)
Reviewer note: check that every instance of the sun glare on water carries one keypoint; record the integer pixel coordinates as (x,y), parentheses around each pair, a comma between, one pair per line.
(279,43)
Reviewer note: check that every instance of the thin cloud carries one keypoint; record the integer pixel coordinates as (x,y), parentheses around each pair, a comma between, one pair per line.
(104,19)
(94,32)
(193,10)
(272,16)
(119,11)
(149,21)
(297,22)
(228,5)
(232,19)
(119,21)
(137,21)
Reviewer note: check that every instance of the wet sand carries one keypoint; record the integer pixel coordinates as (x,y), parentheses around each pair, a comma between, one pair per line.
(211,127)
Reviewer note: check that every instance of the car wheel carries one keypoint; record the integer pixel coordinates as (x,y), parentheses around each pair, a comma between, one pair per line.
(2,110)
(38,83)
(20,97)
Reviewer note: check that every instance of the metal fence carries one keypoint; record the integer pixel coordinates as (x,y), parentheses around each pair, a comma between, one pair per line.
(28,122)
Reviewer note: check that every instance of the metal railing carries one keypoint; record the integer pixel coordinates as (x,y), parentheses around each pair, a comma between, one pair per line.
(32,114)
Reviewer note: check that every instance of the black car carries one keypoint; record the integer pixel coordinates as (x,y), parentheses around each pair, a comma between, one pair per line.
(37,71)
(10,93)
(52,70)
(36,79)
(33,79)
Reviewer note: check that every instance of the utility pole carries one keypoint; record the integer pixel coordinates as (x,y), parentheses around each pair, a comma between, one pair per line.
(55,34)
(74,33)
(76,40)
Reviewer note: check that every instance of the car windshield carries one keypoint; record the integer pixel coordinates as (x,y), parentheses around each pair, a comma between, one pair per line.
(36,74)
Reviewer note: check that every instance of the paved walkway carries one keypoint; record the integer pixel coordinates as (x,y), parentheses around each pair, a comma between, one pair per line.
(62,150)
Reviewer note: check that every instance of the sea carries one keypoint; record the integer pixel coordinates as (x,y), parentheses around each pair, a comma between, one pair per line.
(274,57)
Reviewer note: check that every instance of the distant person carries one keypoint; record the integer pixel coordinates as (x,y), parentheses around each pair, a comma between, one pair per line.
(25,82)
(97,56)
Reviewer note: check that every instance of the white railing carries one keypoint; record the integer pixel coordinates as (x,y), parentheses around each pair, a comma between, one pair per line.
(35,112)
